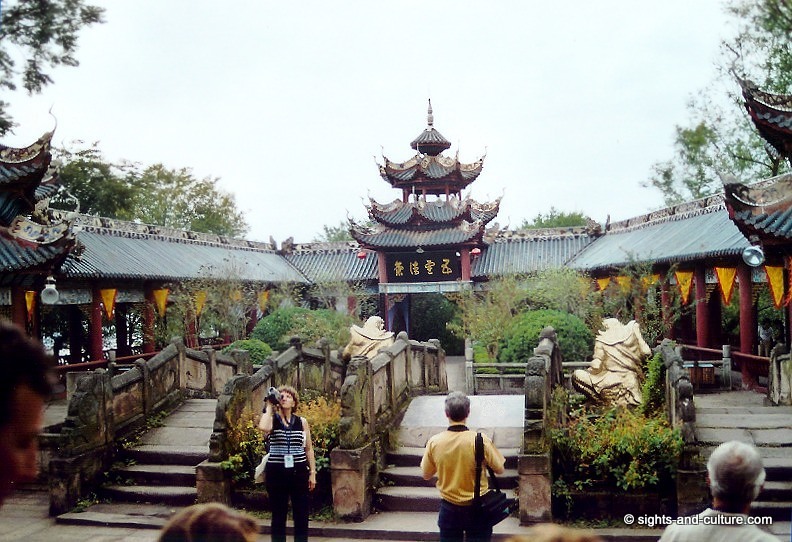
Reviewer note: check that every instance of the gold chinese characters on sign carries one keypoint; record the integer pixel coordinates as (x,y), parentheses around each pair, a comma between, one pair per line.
(423,267)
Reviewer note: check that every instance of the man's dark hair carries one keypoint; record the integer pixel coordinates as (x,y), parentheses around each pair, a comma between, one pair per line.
(457,406)
(23,361)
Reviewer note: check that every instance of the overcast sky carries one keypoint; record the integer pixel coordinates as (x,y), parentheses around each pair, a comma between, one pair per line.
(291,104)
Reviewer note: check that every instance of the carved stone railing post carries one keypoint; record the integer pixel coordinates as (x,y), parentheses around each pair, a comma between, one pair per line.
(211,367)
(692,493)
(534,464)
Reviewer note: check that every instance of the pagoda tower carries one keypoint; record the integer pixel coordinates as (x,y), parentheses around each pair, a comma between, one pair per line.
(426,239)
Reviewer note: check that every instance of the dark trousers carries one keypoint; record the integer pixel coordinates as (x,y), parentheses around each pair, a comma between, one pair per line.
(284,485)
(458,524)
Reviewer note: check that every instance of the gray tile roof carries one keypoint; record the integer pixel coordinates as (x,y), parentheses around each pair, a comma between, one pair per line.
(335,264)
(528,252)
(392,238)
(109,254)
(704,233)
(15,257)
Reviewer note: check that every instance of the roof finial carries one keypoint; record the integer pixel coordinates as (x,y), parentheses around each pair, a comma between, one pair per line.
(430,117)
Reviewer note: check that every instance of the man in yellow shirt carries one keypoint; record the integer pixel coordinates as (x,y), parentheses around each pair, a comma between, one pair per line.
(451,456)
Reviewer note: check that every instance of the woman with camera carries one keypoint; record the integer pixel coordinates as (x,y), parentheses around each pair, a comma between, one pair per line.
(291,466)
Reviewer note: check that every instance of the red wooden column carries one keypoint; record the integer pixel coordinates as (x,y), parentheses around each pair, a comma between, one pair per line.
(18,306)
(148,320)
(382,271)
(702,308)
(95,349)
(465,257)
(747,324)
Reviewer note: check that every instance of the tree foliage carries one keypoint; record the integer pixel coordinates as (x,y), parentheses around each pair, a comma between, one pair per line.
(152,195)
(555,218)
(719,138)
(35,37)
(331,234)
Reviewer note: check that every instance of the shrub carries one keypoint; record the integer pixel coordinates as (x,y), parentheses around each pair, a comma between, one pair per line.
(259,350)
(310,325)
(653,387)
(618,449)
(430,314)
(324,417)
(247,446)
(575,340)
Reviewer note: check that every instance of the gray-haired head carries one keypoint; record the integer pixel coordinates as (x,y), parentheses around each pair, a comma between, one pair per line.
(736,474)
(457,406)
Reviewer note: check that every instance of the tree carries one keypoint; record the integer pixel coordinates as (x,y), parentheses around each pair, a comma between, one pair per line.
(555,219)
(176,199)
(719,137)
(154,195)
(332,234)
(39,35)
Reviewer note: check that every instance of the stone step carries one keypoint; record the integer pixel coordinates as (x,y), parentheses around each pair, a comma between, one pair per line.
(411,476)
(158,454)
(165,475)
(418,499)
(169,495)
(410,456)
(778,510)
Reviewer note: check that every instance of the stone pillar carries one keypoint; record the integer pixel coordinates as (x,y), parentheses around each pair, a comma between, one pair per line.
(535,480)
(212,483)
(351,473)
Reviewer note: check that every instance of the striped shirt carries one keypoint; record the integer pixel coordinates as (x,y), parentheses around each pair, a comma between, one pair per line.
(287,439)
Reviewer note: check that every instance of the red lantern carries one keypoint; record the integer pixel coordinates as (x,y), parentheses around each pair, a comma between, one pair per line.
(361,255)
(476,251)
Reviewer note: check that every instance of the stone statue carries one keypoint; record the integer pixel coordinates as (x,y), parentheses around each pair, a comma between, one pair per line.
(616,372)
(367,340)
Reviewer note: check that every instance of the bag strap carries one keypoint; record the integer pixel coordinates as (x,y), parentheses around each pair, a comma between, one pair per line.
(479,454)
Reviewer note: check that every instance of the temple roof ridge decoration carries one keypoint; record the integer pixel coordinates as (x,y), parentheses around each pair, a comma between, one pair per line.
(420,212)
(771,114)
(682,211)
(123,228)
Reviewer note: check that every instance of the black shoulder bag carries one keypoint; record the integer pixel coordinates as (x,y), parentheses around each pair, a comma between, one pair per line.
(492,507)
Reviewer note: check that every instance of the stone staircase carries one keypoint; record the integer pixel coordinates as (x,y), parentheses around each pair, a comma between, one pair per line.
(405,490)
(161,468)
(741,415)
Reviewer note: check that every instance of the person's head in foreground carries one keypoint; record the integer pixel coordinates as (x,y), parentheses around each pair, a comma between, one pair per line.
(550,532)
(207,522)
(24,388)
(457,406)
(736,475)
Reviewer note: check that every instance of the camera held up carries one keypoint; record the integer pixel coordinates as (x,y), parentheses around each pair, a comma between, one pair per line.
(273,396)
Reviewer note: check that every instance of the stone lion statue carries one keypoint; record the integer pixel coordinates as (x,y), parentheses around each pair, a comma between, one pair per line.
(616,372)
(367,340)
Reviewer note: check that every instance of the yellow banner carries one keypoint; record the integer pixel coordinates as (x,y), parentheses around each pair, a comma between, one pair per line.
(685,281)
(108,296)
(624,282)
(648,280)
(726,276)
(263,300)
(30,303)
(603,283)
(200,302)
(775,279)
(161,300)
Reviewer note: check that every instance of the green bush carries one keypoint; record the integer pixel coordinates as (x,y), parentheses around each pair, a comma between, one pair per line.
(575,340)
(653,387)
(310,325)
(429,315)
(259,350)
(617,449)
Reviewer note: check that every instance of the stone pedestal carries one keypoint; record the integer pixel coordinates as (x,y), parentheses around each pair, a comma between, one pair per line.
(692,491)
(212,483)
(535,479)
(352,480)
